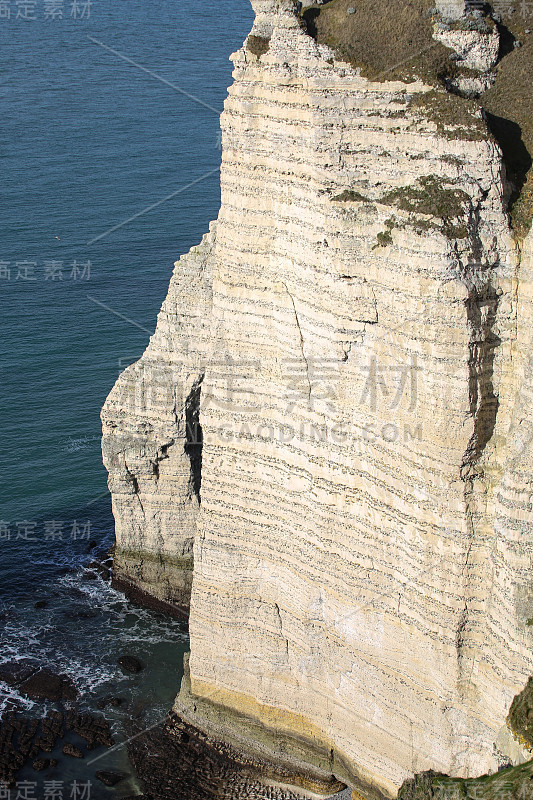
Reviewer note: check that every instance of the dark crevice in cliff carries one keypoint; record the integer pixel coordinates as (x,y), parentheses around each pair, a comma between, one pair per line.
(309,17)
(131,478)
(280,622)
(162,454)
(460,632)
(481,309)
(194,437)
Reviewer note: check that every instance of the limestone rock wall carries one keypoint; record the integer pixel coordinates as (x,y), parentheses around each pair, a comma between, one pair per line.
(152,441)
(353,338)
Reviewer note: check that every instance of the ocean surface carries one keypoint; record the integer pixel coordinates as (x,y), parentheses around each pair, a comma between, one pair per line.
(110,111)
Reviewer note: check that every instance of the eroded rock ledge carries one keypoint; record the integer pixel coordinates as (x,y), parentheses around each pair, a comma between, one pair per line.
(333,423)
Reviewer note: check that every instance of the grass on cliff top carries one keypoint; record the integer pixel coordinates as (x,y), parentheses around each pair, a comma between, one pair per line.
(392,40)
(387,39)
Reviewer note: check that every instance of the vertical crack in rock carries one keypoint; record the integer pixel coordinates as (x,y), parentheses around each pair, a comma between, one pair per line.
(278,613)
(481,309)
(481,306)
(160,456)
(304,357)
(481,313)
(194,437)
(132,479)
(459,635)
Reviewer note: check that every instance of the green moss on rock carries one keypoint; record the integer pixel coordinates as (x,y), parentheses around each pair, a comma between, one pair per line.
(521,715)
(384,238)
(349,196)
(145,556)
(432,198)
(454,117)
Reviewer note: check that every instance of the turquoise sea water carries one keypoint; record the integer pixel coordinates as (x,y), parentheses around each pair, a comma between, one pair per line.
(90,140)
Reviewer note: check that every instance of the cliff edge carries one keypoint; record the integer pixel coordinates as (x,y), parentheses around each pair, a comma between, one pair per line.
(325,452)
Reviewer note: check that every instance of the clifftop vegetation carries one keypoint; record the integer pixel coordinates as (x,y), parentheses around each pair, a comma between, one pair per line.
(392,40)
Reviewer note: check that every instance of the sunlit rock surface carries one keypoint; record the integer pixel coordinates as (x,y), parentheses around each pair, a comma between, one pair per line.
(334,422)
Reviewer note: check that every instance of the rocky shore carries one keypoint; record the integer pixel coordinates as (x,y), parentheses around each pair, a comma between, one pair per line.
(24,740)
(174,760)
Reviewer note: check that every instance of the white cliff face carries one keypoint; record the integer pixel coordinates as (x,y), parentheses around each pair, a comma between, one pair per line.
(353,337)
(151,438)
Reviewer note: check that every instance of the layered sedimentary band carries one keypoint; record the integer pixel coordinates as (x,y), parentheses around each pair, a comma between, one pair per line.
(332,421)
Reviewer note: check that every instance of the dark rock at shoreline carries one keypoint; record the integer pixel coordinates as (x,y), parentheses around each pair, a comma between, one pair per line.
(44,763)
(94,728)
(109,701)
(48,685)
(23,739)
(15,672)
(103,568)
(37,682)
(71,750)
(51,730)
(110,778)
(130,664)
(173,766)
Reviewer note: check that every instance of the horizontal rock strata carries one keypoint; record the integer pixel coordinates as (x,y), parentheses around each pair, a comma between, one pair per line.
(332,418)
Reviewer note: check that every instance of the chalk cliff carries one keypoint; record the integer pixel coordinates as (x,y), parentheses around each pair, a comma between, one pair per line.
(332,426)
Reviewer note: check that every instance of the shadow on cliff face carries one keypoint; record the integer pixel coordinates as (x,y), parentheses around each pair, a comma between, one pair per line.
(516,156)
(310,16)
(194,437)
